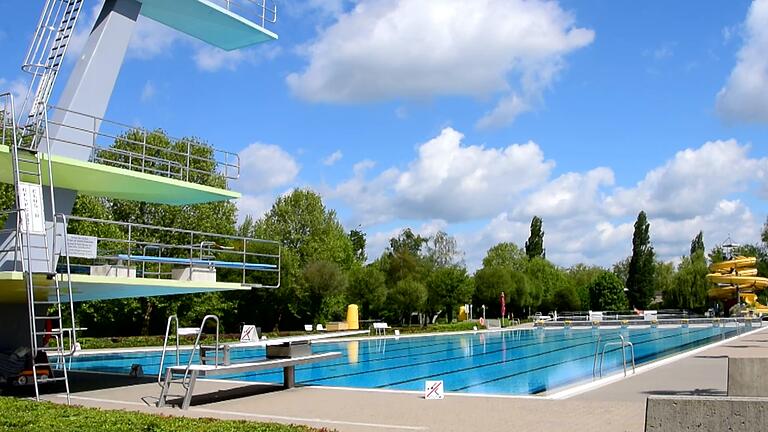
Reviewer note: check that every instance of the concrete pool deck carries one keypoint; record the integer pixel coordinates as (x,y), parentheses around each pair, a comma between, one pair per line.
(617,406)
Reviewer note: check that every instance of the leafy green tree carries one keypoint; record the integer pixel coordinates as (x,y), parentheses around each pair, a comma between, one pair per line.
(544,279)
(506,254)
(368,289)
(404,259)
(408,241)
(405,297)
(490,282)
(764,234)
(565,298)
(697,244)
(357,237)
(443,251)
(664,278)
(447,288)
(690,285)
(640,281)
(621,268)
(534,246)
(606,293)
(7,200)
(324,284)
(579,277)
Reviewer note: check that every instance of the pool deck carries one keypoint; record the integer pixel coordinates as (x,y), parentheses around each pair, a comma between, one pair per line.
(616,406)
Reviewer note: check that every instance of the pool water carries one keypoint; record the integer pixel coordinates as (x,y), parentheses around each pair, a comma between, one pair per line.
(519,362)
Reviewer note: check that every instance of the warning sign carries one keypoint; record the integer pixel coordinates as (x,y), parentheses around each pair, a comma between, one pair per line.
(31,202)
(248,334)
(433,390)
(80,246)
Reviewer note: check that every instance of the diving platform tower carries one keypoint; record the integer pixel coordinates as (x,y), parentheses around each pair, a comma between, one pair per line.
(49,258)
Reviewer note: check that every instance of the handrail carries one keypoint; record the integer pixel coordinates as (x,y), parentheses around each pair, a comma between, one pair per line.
(165,346)
(263,12)
(239,249)
(623,344)
(196,346)
(93,132)
(594,361)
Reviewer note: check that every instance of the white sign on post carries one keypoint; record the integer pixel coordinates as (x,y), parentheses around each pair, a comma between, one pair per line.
(434,390)
(248,334)
(31,201)
(80,246)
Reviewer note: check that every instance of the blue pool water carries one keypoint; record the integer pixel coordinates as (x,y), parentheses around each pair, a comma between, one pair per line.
(512,362)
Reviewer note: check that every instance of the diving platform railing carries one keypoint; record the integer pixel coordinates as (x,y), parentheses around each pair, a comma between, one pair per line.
(137,149)
(261,12)
(130,250)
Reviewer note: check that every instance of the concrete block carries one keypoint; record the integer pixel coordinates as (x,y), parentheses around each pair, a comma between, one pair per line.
(120,271)
(194,273)
(696,413)
(746,376)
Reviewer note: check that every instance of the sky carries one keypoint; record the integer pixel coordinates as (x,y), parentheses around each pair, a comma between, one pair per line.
(472,117)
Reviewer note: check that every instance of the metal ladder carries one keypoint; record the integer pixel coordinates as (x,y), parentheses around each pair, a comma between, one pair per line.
(624,344)
(165,384)
(38,265)
(44,57)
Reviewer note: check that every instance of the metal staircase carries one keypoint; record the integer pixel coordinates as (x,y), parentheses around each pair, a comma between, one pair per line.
(38,263)
(44,57)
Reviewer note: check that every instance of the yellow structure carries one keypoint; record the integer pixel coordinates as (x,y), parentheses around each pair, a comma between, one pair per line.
(353,322)
(738,275)
(462,313)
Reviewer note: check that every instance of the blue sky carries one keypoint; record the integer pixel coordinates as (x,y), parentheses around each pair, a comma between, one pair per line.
(471,119)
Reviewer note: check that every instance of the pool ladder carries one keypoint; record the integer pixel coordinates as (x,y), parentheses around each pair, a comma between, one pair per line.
(624,344)
(183,331)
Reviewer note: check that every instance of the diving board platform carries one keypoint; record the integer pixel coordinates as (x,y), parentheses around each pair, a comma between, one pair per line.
(192,372)
(108,181)
(197,262)
(225,24)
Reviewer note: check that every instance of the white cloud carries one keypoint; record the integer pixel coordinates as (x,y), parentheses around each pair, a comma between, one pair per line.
(692,183)
(18,88)
(254,206)
(148,92)
(333,158)
(745,95)
(447,180)
(587,218)
(264,167)
(409,49)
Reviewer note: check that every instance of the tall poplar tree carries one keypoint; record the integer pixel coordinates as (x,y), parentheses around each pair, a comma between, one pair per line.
(640,281)
(697,244)
(534,247)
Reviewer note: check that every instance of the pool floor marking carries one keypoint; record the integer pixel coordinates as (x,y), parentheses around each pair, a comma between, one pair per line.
(504,377)
(583,388)
(495,363)
(258,416)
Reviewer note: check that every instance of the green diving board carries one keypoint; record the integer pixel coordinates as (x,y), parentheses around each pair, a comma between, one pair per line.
(212,21)
(197,262)
(112,182)
(87,287)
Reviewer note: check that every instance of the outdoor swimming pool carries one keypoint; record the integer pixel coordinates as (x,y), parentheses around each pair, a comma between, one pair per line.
(519,362)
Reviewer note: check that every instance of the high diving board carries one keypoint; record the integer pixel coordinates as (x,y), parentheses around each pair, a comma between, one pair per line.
(88,287)
(228,25)
(112,182)
(197,262)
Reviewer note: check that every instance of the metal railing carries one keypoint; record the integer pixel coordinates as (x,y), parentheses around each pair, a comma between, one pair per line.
(137,149)
(122,244)
(623,344)
(258,11)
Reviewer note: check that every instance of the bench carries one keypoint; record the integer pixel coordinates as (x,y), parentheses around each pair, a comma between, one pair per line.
(381,328)
(192,372)
(199,262)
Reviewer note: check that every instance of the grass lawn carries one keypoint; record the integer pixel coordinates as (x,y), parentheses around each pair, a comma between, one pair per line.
(25,415)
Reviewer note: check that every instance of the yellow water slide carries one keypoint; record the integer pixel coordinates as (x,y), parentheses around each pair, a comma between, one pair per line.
(738,275)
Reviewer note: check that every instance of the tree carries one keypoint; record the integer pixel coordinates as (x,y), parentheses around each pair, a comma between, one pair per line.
(697,244)
(507,255)
(324,283)
(544,279)
(490,282)
(368,288)
(606,293)
(447,288)
(579,277)
(621,269)
(407,296)
(764,234)
(664,278)
(403,259)
(534,246)
(640,280)
(690,284)
(357,238)
(442,250)
(565,298)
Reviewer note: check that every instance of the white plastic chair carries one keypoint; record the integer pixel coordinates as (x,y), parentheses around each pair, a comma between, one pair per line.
(308,327)
(320,327)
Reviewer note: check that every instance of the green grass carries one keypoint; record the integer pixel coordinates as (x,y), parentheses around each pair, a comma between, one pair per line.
(25,415)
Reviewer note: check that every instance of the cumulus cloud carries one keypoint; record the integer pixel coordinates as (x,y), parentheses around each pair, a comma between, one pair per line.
(745,95)
(148,92)
(385,49)
(587,217)
(18,88)
(333,158)
(448,180)
(692,182)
